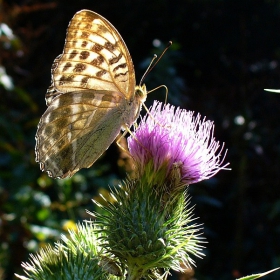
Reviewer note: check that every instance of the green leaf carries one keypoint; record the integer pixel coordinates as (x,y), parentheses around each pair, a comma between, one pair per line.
(259,275)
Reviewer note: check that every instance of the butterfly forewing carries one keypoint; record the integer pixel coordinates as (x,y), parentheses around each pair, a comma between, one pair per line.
(94,57)
(91,97)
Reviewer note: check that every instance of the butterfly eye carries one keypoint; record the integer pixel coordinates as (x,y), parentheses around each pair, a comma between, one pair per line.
(141,92)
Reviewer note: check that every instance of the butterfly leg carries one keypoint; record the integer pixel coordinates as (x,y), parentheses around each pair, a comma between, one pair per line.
(120,139)
(127,130)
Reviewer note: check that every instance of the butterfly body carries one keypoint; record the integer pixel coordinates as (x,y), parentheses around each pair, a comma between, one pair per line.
(91,98)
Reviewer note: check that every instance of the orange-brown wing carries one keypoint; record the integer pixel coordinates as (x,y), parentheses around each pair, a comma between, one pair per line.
(76,129)
(94,57)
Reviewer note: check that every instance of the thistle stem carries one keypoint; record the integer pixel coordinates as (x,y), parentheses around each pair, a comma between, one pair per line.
(133,273)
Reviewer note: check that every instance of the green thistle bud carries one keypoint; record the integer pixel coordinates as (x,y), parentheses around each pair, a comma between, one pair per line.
(146,232)
(77,257)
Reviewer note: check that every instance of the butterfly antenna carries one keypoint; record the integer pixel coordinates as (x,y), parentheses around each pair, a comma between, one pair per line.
(152,65)
(147,71)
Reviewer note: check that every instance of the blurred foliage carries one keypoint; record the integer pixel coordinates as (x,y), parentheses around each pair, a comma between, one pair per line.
(224,53)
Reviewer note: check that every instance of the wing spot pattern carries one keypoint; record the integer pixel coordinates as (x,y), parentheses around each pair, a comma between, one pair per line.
(97,48)
(84,55)
(100,73)
(74,42)
(73,54)
(84,44)
(109,46)
(97,61)
(123,65)
(66,66)
(79,67)
(115,59)
(120,74)
(84,81)
(66,79)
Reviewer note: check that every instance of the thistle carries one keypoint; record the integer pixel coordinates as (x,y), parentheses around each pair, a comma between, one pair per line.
(169,138)
(148,227)
(74,257)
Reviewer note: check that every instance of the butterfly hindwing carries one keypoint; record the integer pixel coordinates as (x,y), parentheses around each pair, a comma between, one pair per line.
(81,120)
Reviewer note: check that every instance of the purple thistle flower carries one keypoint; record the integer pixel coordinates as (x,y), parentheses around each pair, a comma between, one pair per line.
(171,138)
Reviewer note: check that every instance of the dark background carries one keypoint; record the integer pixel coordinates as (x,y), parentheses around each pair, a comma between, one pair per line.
(224,53)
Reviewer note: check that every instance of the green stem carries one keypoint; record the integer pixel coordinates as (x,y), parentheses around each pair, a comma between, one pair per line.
(133,273)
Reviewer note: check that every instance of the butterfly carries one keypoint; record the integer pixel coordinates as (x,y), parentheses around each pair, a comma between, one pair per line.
(92,96)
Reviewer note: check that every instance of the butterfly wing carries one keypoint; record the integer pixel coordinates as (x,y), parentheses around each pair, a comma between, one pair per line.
(76,129)
(94,57)
(93,83)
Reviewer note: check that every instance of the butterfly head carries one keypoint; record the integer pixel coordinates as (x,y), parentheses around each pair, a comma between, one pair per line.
(141,93)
